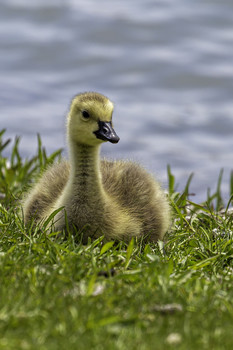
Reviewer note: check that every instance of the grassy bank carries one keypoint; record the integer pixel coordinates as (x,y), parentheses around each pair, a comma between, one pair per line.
(60,294)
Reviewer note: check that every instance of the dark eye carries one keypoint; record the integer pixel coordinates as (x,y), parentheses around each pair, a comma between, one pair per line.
(85,114)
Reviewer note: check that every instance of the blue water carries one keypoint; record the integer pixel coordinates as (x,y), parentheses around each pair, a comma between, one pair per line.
(167,65)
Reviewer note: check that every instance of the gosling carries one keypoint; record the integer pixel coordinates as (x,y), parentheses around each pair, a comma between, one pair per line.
(117,199)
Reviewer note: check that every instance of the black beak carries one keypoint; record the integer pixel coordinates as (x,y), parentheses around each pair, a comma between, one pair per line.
(106,132)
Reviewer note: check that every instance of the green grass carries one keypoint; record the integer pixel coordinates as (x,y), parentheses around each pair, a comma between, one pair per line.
(60,294)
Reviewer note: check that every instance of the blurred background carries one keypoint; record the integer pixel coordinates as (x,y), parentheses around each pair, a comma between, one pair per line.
(167,65)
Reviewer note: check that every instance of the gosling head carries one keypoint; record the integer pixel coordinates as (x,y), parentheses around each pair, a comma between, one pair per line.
(89,120)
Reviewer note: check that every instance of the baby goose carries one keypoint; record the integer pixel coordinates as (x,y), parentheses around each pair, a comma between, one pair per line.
(113,198)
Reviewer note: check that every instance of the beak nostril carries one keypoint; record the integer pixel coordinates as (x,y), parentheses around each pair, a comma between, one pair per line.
(105,130)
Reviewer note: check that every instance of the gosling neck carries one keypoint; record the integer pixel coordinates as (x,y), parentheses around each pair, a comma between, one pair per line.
(85,176)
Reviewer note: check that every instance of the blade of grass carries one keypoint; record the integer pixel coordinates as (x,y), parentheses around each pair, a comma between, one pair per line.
(129,253)
(219,201)
(171,181)
(231,183)
(106,247)
(51,216)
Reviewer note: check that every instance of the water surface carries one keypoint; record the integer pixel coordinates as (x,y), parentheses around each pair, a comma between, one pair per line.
(167,65)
